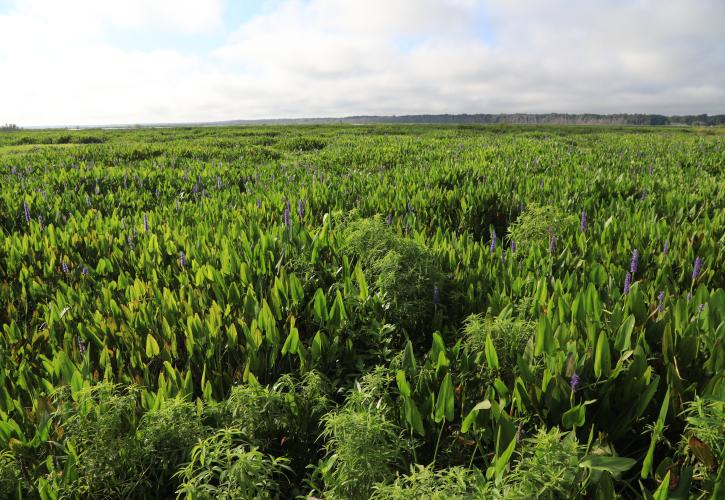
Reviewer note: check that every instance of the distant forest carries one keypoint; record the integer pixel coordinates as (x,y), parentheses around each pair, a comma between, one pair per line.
(512,118)
(481,119)
(549,118)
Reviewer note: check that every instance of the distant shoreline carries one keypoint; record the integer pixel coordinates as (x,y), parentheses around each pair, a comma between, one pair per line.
(438,119)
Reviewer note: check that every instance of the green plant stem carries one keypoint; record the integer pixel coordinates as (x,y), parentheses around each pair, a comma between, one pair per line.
(438,442)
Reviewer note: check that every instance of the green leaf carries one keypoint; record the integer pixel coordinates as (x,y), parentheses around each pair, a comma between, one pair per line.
(76,383)
(490,352)
(319,306)
(471,417)
(152,347)
(292,341)
(656,433)
(501,461)
(412,416)
(361,283)
(544,337)
(624,335)
(603,357)
(574,417)
(662,493)
(445,403)
(613,465)
(403,385)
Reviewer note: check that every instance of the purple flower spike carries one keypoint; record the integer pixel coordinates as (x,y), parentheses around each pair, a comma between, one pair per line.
(81,347)
(700,307)
(644,195)
(627,282)
(182,258)
(661,302)
(259,203)
(574,382)
(286,217)
(697,268)
(218,182)
(64,265)
(26,210)
(666,247)
(634,262)
(552,244)
(493,241)
(390,219)
(146,223)
(436,296)
(513,246)
(301,208)
(583,222)
(651,167)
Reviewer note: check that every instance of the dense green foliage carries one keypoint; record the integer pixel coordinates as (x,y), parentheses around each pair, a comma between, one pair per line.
(355,312)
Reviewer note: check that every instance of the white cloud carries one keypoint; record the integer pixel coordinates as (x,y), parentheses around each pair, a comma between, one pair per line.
(342,57)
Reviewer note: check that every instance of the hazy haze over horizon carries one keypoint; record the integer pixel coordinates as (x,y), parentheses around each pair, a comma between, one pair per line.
(86,62)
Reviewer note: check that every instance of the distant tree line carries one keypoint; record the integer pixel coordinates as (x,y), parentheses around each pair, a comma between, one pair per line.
(548,119)
(9,127)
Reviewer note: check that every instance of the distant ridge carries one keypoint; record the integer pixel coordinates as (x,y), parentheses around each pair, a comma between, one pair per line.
(462,119)
(507,118)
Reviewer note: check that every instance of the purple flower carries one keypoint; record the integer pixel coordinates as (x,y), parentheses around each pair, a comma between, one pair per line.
(146,222)
(644,195)
(259,203)
(493,241)
(513,246)
(552,244)
(574,382)
(666,247)
(301,208)
(436,296)
(689,296)
(700,307)
(390,219)
(64,265)
(81,346)
(697,268)
(286,217)
(583,222)
(182,258)
(407,228)
(661,301)
(218,182)
(634,262)
(26,210)
(651,167)
(627,282)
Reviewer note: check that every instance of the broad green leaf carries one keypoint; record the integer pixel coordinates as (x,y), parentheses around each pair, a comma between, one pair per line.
(490,352)
(445,403)
(603,357)
(613,465)
(152,347)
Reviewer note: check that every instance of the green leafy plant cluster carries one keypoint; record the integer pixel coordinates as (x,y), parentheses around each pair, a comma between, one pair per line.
(354,312)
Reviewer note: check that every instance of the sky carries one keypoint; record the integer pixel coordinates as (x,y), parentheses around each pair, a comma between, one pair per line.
(94,62)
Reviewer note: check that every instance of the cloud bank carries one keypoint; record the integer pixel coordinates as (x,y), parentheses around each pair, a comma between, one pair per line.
(138,61)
